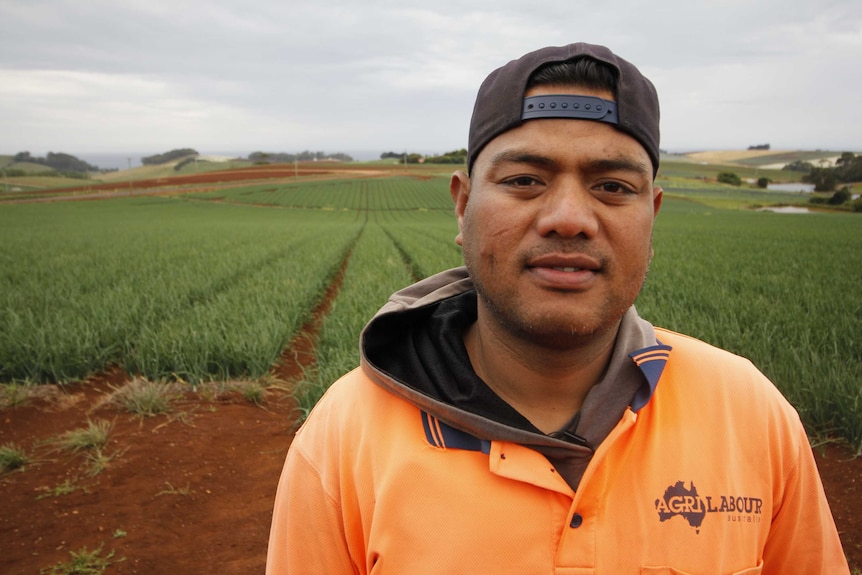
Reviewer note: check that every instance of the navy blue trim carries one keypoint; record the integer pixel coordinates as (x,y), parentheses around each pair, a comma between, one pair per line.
(651,361)
(570,106)
(445,436)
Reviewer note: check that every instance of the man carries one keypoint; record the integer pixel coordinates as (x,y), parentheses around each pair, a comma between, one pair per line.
(517,416)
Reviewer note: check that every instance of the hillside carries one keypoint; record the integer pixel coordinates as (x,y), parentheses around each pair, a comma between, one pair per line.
(765,159)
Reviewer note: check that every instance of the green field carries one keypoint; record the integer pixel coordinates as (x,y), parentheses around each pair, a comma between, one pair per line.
(213,286)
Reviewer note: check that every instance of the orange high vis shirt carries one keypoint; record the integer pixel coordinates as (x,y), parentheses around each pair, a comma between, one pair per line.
(712,475)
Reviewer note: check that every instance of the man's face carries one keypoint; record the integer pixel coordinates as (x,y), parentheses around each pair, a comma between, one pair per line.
(556,224)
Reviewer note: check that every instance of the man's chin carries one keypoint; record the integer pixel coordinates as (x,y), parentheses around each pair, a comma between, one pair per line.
(553,331)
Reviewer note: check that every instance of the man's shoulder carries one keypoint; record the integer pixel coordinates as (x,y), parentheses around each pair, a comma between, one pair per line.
(351,403)
(709,374)
(351,391)
(686,347)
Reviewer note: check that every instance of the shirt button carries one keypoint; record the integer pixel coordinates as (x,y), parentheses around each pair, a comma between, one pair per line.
(577,520)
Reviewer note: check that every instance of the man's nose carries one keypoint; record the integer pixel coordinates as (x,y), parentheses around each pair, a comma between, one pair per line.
(568,211)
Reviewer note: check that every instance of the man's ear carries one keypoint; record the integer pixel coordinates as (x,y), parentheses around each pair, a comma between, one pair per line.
(657,193)
(459,187)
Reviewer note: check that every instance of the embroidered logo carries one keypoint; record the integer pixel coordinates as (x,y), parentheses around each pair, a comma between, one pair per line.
(687,503)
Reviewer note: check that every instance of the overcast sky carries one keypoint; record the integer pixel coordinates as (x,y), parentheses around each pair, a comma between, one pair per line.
(94,76)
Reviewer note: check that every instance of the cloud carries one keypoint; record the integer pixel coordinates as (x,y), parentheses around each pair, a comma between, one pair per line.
(384,74)
(141,111)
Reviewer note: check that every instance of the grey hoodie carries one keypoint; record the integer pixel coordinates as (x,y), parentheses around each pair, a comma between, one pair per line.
(413,347)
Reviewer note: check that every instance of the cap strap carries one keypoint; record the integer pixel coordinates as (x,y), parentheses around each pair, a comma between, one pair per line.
(570,106)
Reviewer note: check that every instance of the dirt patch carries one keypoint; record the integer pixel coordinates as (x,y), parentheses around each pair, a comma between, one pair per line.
(730,156)
(186,492)
(842,480)
(205,182)
(191,182)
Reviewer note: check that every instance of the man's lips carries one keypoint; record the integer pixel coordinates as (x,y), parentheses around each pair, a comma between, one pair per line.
(565,262)
(564,271)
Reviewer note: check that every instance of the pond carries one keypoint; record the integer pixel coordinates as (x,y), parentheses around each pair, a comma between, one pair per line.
(787,210)
(791,187)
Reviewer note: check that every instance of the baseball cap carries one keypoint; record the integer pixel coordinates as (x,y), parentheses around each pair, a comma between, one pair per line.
(500,104)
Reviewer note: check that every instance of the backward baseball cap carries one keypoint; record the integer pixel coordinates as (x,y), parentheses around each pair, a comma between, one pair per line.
(500,104)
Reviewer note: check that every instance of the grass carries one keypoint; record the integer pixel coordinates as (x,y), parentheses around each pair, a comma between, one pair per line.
(90,440)
(68,486)
(187,289)
(82,562)
(162,287)
(15,394)
(12,457)
(93,437)
(171,490)
(374,271)
(144,398)
(254,393)
(97,461)
(780,289)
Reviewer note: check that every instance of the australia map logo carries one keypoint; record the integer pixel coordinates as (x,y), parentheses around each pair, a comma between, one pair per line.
(685,502)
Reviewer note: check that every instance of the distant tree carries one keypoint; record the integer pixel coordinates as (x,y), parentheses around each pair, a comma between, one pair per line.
(798,166)
(184,163)
(60,162)
(850,169)
(840,197)
(453,157)
(68,163)
(763,182)
(845,159)
(168,156)
(729,178)
(759,147)
(305,156)
(824,179)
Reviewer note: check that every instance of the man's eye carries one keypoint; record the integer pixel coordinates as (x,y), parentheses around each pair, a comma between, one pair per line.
(614,188)
(521,181)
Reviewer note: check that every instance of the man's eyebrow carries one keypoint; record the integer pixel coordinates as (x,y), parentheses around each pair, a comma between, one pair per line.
(521,157)
(621,163)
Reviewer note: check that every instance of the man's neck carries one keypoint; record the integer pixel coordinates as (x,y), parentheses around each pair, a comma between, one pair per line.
(546,385)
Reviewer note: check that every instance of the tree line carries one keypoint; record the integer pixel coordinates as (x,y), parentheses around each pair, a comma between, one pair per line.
(848,168)
(453,157)
(65,163)
(170,156)
(304,156)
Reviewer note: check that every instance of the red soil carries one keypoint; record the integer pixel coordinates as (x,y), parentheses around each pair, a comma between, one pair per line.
(252,173)
(192,491)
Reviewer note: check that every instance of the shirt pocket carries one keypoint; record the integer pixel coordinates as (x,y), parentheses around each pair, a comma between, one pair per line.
(671,571)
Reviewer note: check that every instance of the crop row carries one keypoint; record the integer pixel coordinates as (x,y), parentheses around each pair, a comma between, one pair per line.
(202,289)
(368,194)
(160,286)
(780,289)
